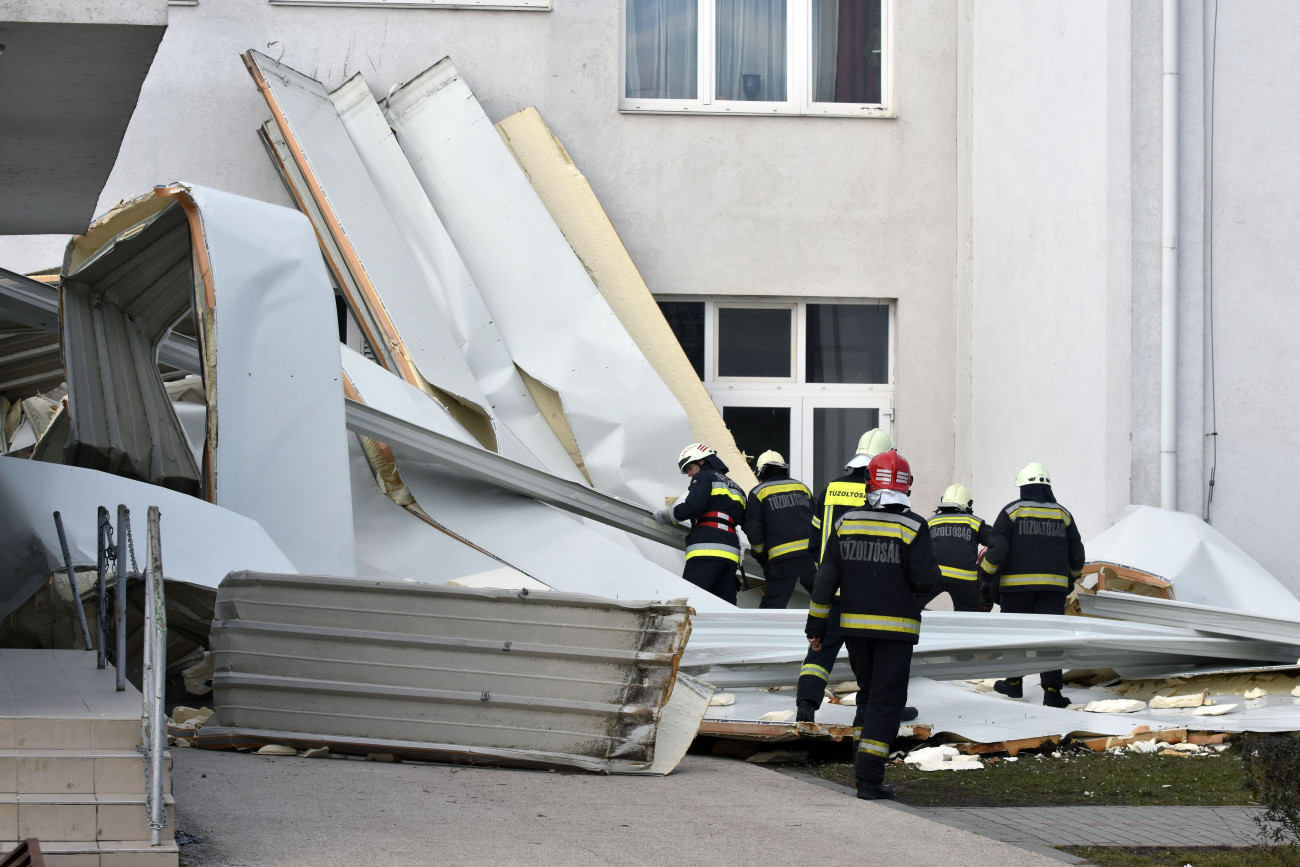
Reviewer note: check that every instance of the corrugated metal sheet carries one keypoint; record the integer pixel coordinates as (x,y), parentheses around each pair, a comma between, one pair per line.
(765,648)
(117,306)
(542,679)
(1204,618)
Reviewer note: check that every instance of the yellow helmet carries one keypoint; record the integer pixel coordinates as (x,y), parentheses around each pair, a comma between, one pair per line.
(770,458)
(957,495)
(1033,474)
(873,442)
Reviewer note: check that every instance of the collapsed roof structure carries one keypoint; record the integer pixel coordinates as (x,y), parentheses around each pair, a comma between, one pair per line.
(502,412)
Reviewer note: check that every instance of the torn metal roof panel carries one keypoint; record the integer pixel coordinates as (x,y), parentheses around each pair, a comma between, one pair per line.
(1205,567)
(536,288)
(200,542)
(555,679)
(1205,618)
(372,244)
(449,283)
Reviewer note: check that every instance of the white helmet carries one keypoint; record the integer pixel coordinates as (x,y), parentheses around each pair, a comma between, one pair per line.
(692,453)
(873,442)
(1033,474)
(770,458)
(957,495)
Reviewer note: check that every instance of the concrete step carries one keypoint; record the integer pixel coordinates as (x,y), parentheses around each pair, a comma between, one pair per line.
(64,733)
(88,818)
(116,853)
(82,772)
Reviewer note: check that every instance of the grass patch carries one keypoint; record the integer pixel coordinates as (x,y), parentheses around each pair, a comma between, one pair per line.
(1253,856)
(1077,777)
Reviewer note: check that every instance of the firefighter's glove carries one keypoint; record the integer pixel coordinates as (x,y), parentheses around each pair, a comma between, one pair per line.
(815,628)
(988,593)
(664,515)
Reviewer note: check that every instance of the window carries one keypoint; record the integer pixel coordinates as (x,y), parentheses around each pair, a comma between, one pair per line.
(827,57)
(805,378)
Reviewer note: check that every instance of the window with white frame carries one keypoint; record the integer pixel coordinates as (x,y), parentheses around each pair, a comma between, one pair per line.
(829,57)
(806,378)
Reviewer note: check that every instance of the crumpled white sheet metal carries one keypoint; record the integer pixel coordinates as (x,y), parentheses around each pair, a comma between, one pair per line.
(200,542)
(363,226)
(627,423)
(766,648)
(448,281)
(281,454)
(544,543)
(1204,566)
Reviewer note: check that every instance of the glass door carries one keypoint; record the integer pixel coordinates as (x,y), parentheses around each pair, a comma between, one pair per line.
(832,427)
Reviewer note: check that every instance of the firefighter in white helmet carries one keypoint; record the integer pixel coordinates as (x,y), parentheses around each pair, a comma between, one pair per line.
(957,535)
(715,506)
(842,495)
(1032,563)
(778,524)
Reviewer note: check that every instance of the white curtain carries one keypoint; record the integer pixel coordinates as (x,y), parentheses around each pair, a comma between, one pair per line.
(751,42)
(825,47)
(662,49)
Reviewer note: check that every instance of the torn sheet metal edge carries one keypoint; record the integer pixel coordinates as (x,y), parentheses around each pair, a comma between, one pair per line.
(274,635)
(535,287)
(422,444)
(276,368)
(448,282)
(1206,568)
(201,542)
(373,246)
(1188,615)
(570,200)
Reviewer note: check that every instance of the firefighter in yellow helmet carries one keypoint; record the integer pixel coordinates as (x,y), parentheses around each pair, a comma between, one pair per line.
(715,507)
(778,524)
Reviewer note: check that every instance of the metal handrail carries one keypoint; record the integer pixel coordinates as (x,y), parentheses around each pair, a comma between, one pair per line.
(154,680)
(72,582)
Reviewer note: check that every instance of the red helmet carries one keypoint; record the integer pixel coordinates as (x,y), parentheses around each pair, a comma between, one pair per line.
(889,471)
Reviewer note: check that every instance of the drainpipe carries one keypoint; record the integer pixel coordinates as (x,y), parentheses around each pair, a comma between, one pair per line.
(1169,268)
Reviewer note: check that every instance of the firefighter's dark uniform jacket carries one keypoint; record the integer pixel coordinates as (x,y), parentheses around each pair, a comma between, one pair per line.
(716,506)
(842,495)
(1036,545)
(778,519)
(956,536)
(879,560)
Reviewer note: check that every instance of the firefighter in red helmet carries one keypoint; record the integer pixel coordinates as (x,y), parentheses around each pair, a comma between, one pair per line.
(881,561)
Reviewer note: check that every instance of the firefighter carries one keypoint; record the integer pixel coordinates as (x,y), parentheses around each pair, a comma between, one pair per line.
(716,507)
(844,494)
(1032,563)
(778,524)
(881,562)
(957,535)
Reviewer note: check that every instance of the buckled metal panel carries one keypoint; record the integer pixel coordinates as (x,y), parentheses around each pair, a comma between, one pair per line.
(489,676)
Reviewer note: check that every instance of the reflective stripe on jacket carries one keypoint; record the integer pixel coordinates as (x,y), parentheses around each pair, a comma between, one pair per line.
(879,560)
(778,519)
(956,536)
(1036,547)
(716,506)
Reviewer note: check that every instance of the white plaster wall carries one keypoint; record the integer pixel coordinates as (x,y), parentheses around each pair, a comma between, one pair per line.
(1256,278)
(1040,216)
(781,206)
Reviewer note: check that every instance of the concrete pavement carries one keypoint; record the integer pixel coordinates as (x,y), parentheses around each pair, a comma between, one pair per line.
(257,810)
